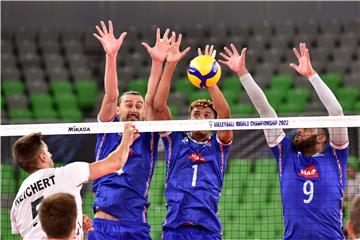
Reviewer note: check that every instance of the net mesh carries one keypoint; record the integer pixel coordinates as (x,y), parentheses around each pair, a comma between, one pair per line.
(250,206)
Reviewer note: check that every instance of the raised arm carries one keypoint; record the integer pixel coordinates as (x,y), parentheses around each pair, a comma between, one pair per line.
(117,158)
(219,101)
(237,64)
(338,136)
(111,47)
(158,55)
(174,55)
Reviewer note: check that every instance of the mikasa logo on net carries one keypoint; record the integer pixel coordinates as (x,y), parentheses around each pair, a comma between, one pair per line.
(78,129)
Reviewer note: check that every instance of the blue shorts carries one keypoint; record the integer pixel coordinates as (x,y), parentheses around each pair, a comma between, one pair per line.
(119,230)
(186,232)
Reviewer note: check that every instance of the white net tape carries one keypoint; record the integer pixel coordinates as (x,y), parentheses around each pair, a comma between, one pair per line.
(182,125)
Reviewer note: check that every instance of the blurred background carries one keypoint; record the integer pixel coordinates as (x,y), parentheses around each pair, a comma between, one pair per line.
(52,70)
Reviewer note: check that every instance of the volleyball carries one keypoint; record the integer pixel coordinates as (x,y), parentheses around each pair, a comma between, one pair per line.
(204,71)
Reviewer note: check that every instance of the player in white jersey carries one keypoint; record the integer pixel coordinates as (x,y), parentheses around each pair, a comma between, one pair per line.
(32,155)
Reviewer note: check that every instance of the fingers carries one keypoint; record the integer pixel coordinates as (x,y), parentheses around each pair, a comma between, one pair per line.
(173,38)
(146,46)
(224,56)
(183,53)
(99,31)
(104,27)
(233,48)
(157,34)
(302,49)
(122,36)
(111,31)
(207,49)
(211,50)
(130,128)
(224,62)
(296,53)
(199,52)
(243,52)
(228,51)
(98,37)
(294,66)
(165,36)
(179,38)
(213,54)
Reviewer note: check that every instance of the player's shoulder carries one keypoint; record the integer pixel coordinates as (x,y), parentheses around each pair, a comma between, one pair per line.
(332,149)
(36,176)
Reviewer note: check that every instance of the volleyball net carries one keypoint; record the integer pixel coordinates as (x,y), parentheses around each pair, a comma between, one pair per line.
(250,206)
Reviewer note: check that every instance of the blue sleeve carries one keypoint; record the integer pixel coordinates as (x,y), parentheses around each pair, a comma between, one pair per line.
(280,152)
(222,151)
(171,141)
(341,156)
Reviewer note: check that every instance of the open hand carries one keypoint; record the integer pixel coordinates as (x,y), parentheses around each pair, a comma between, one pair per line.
(235,61)
(160,50)
(174,53)
(107,39)
(208,51)
(304,68)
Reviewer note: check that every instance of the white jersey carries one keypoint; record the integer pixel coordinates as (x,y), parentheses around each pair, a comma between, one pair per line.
(41,184)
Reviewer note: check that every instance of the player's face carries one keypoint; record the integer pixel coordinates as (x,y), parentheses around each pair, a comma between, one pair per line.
(132,108)
(306,138)
(201,113)
(47,155)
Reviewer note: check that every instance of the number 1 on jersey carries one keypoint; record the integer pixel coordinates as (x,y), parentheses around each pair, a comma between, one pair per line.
(193,183)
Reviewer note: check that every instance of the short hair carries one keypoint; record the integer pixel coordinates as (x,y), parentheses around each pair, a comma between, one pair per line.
(135,93)
(203,103)
(355,215)
(26,150)
(325,132)
(58,214)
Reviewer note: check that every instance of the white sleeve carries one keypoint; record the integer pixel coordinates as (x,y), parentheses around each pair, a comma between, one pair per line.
(14,227)
(262,106)
(76,173)
(338,136)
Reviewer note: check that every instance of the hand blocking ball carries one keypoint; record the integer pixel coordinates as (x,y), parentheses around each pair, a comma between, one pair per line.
(204,71)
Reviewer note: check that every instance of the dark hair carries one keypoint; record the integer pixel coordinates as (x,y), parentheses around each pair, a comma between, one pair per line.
(355,216)
(135,93)
(325,132)
(58,215)
(26,150)
(203,103)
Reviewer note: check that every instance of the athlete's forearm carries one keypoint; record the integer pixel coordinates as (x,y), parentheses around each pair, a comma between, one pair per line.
(111,80)
(119,156)
(155,74)
(163,91)
(108,106)
(112,163)
(338,136)
(326,96)
(220,103)
(257,97)
(262,106)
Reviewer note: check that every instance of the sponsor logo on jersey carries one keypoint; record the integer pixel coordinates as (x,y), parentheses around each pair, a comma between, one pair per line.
(78,129)
(309,172)
(196,157)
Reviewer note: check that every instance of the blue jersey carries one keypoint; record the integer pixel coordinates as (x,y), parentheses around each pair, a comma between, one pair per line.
(194,178)
(124,194)
(312,191)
